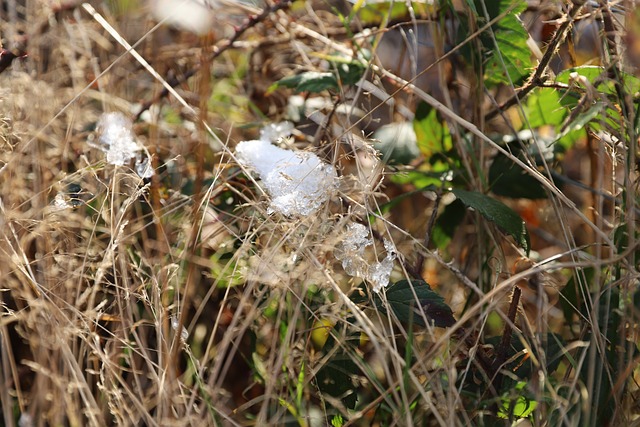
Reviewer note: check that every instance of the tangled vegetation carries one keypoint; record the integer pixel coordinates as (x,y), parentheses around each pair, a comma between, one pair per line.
(319,213)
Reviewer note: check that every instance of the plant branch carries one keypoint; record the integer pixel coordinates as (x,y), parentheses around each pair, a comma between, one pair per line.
(505,342)
(251,22)
(537,78)
(427,236)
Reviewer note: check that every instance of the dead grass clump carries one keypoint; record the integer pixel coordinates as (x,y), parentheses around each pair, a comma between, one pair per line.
(499,227)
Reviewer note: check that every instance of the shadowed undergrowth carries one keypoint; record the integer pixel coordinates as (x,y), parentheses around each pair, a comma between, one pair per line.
(468,254)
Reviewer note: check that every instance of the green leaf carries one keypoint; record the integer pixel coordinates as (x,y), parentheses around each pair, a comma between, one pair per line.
(432,133)
(509,180)
(423,179)
(349,70)
(567,140)
(498,213)
(447,223)
(519,407)
(596,75)
(514,58)
(337,421)
(585,118)
(375,13)
(544,108)
(228,270)
(310,81)
(345,71)
(401,300)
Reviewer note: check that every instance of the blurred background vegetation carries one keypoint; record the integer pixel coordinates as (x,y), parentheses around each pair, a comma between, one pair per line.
(491,147)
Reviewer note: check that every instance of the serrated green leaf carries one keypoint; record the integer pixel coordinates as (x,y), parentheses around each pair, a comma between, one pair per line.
(348,72)
(591,72)
(498,213)
(400,299)
(514,58)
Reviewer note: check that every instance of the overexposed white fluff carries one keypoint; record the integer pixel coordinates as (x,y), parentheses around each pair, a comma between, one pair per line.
(351,252)
(298,182)
(117,140)
(274,131)
(189,15)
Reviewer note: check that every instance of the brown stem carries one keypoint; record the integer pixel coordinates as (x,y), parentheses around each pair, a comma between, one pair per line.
(427,237)
(251,22)
(505,343)
(536,79)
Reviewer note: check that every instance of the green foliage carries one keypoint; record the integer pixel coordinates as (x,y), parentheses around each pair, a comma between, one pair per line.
(508,58)
(432,133)
(344,72)
(598,77)
(408,300)
(424,179)
(336,376)
(509,180)
(310,81)
(591,96)
(498,213)
(269,336)
(374,13)
(519,407)
(544,108)
(225,267)
(447,223)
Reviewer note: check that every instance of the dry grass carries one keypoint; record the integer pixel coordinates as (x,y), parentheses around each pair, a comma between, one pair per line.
(179,300)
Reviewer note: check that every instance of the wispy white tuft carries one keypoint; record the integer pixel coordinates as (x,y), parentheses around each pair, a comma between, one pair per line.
(117,141)
(116,138)
(274,131)
(143,167)
(298,182)
(60,203)
(351,252)
(175,323)
(189,15)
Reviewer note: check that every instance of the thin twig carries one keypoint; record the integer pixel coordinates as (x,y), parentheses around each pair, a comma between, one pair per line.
(505,342)
(427,235)
(536,79)
(251,22)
